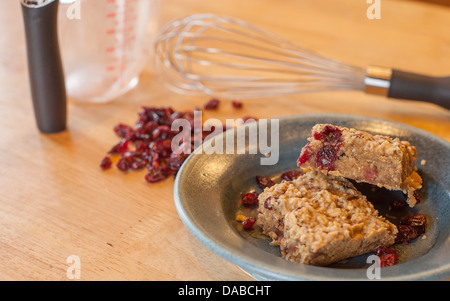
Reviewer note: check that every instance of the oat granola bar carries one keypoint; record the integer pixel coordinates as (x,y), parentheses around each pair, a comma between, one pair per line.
(357,155)
(320,219)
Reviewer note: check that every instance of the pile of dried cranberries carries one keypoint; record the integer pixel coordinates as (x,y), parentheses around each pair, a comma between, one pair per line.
(148,144)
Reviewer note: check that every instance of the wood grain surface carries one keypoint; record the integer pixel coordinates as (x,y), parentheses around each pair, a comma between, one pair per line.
(56,202)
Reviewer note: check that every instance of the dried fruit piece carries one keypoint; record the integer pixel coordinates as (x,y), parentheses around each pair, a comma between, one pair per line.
(176,160)
(398,205)
(388,256)
(236,104)
(123,164)
(417,196)
(162,132)
(123,130)
(249,199)
(267,203)
(291,175)
(137,165)
(120,147)
(306,154)
(106,163)
(418,221)
(154,176)
(406,234)
(331,143)
(410,228)
(264,182)
(329,134)
(248,223)
(213,104)
(248,119)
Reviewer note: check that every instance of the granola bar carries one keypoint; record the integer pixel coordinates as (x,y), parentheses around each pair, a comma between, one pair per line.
(357,155)
(319,219)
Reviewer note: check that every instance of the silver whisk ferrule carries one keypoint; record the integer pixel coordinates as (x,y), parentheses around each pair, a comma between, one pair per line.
(377,80)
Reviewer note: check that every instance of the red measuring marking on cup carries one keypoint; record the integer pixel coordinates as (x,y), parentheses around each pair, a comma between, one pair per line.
(121,16)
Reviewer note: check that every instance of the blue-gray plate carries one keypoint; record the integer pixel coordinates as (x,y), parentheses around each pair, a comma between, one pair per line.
(207,198)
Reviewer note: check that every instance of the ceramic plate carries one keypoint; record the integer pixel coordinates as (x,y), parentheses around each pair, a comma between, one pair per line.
(207,198)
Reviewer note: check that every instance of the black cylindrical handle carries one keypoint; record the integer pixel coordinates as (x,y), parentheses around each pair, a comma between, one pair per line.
(45,67)
(411,86)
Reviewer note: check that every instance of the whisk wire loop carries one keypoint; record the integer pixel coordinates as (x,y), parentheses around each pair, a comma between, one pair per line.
(229,58)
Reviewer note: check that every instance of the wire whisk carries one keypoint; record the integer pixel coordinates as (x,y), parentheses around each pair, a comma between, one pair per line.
(229,58)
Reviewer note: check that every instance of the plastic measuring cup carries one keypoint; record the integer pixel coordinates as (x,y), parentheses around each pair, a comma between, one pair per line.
(105,45)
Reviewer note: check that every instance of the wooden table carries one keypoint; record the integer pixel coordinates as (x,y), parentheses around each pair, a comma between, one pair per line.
(56,202)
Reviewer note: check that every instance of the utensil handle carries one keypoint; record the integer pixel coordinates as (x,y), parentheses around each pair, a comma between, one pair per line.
(412,86)
(44,64)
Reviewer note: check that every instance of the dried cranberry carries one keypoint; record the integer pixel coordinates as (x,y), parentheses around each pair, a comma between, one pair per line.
(213,104)
(410,228)
(106,163)
(406,234)
(148,128)
(317,136)
(291,175)
(417,196)
(249,199)
(123,164)
(398,205)
(137,165)
(236,104)
(248,223)
(159,115)
(159,165)
(176,160)
(164,167)
(140,146)
(248,119)
(123,131)
(130,155)
(161,132)
(155,175)
(331,138)
(418,221)
(304,156)
(329,134)
(120,147)
(326,157)
(161,147)
(264,182)
(267,203)
(388,256)
(371,174)
(154,161)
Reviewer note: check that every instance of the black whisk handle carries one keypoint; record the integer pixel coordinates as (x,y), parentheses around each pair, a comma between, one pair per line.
(406,85)
(412,86)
